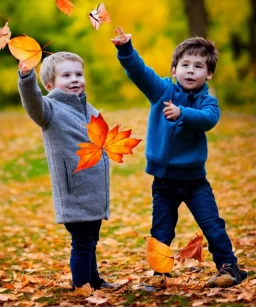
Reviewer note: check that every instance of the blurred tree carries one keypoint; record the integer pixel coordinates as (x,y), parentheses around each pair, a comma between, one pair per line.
(156,27)
(197,17)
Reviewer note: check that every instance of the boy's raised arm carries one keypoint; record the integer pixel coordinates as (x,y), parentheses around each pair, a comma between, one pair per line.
(32,98)
(143,76)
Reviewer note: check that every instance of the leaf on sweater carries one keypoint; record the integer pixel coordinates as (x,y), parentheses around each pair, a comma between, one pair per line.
(5,35)
(115,143)
(192,250)
(159,255)
(99,15)
(26,49)
(65,6)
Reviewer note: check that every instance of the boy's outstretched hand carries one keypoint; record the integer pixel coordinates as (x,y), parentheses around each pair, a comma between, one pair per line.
(121,38)
(23,68)
(171,111)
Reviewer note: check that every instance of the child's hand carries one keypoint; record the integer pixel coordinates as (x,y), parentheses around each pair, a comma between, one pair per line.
(121,38)
(23,68)
(171,111)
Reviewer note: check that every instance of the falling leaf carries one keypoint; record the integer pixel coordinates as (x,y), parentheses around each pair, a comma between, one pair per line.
(65,6)
(159,255)
(115,143)
(99,15)
(26,49)
(5,36)
(192,250)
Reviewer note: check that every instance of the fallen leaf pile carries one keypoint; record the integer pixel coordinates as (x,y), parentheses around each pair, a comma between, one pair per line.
(34,250)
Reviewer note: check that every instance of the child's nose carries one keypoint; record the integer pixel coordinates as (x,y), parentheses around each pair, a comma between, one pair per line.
(191,69)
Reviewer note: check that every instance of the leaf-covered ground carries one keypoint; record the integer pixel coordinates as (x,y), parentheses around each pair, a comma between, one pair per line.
(34,251)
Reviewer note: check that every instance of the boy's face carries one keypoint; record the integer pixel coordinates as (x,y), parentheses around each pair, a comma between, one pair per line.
(69,78)
(191,71)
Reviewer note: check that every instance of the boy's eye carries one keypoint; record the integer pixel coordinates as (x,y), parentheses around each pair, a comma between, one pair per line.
(185,65)
(198,66)
(66,75)
(79,74)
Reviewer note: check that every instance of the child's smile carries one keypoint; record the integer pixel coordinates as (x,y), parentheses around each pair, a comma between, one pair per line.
(69,77)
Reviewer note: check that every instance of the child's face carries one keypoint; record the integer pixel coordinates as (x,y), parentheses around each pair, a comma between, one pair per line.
(191,71)
(69,78)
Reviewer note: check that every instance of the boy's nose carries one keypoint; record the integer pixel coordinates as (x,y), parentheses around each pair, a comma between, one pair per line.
(190,70)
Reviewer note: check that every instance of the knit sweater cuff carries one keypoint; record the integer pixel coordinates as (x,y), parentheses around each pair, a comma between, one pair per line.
(125,50)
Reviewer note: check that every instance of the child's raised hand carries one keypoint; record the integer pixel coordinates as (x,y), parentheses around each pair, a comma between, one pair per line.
(171,111)
(23,68)
(121,38)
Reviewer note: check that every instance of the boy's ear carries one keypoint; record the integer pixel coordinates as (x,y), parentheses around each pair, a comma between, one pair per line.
(174,72)
(209,76)
(49,87)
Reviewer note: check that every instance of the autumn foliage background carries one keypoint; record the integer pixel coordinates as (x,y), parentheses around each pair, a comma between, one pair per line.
(34,251)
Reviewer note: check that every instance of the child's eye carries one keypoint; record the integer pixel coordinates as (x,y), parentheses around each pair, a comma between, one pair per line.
(66,75)
(185,65)
(79,74)
(198,66)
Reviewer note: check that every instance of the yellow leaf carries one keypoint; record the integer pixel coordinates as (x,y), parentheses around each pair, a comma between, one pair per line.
(159,255)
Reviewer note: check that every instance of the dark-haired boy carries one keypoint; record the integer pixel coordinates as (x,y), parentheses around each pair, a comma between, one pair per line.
(176,148)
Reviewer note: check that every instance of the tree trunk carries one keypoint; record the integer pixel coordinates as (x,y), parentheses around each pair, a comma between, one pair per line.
(252,33)
(197,17)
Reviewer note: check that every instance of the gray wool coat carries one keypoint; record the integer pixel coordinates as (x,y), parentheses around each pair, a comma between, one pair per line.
(81,196)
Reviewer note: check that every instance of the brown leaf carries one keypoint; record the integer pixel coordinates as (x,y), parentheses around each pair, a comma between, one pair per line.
(192,250)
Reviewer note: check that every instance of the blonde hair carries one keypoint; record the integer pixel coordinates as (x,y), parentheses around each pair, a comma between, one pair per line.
(48,66)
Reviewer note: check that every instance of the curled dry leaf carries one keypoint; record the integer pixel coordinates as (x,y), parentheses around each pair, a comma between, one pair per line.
(85,291)
(5,35)
(159,281)
(99,15)
(159,255)
(65,6)
(192,250)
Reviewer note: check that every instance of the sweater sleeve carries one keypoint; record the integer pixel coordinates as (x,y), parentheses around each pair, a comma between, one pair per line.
(37,106)
(204,118)
(144,77)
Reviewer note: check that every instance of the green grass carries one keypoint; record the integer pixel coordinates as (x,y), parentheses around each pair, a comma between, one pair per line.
(126,170)
(31,164)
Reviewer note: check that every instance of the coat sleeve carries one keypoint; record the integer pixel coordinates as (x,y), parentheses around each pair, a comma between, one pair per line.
(144,77)
(204,118)
(37,106)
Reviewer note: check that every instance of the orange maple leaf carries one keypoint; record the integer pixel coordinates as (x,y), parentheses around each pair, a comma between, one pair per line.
(192,250)
(115,143)
(27,50)
(159,255)
(5,35)
(65,6)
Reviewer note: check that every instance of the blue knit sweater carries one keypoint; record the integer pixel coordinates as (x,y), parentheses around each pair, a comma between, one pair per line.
(175,149)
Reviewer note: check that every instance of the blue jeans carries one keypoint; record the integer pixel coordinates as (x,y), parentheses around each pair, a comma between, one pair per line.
(83,263)
(197,195)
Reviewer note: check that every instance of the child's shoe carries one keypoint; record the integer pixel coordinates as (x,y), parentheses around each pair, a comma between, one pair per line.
(104,284)
(228,275)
